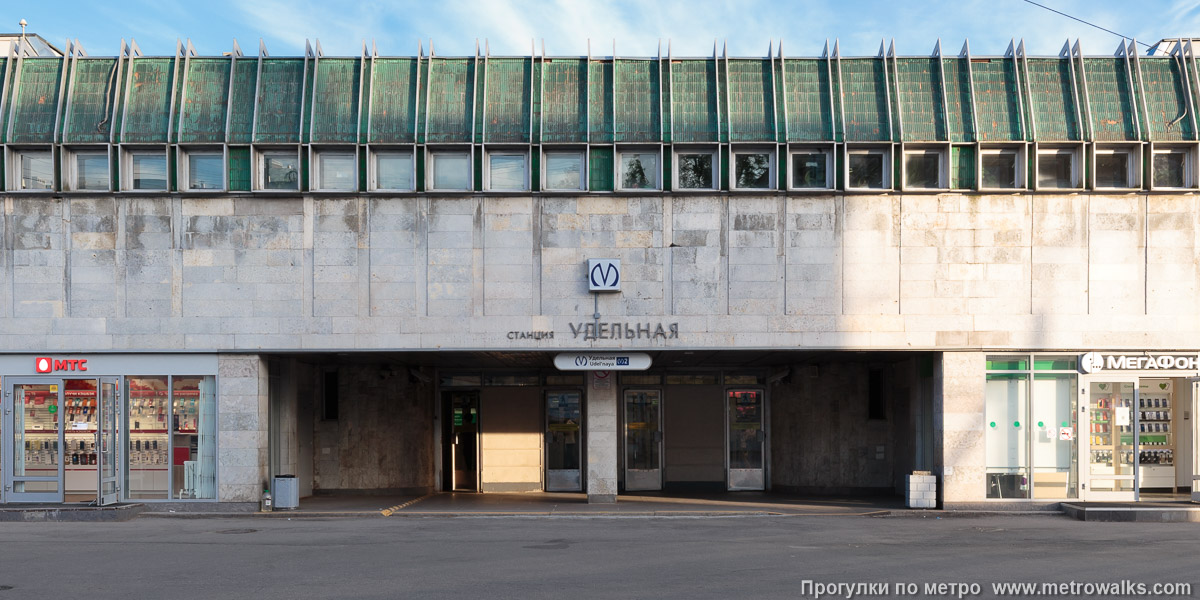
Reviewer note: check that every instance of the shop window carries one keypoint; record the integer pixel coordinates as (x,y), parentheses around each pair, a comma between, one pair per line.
(639,170)
(564,172)
(753,169)
(925,169)
(203,170)
(1058,168)
(148,444)
(279,170)
(193,438)
(32,170)
(450,171)
(144,170)
(812,169)
(392,171)
(1173,168)
(696,170)
(335,171)
(1116,168)
(507,171)
(1001,169)
(868,169)
(87,170)
(1006,457)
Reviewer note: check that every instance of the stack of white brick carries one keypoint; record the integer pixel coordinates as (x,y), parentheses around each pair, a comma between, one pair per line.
(921,491)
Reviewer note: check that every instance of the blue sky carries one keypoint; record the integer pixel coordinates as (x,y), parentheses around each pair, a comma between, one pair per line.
(566,25)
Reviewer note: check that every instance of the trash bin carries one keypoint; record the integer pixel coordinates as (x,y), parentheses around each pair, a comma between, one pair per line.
(286,492)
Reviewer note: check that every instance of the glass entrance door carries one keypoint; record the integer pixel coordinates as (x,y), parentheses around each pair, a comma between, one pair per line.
(643,440)
(1195,441)
(33,466)
(106,448)
(564,448)
(1110,451)
(747,439)
(461,441)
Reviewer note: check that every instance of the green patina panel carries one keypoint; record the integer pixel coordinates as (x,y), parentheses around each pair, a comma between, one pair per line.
(451,100)
(751,101)
(335,101)
(241,109)
(147,111)
(920,99)
(1052,100)
(564,100)
(35,101)
(694,103)
(811,114)
(535,107)
(1110,99)
(865,99)
(600,101)
(91,94)
(306,113)
(239,169)
(393,101)
(1166,100)
(509,97)
(206,101)
(780,115)
(638,103)
(600,170)
(962,167)
(280,101)
(957,78)
(997,111)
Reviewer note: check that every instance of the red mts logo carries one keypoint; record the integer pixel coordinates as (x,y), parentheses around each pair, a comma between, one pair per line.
(45,364)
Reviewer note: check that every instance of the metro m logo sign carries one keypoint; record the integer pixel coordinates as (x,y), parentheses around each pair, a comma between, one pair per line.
(604,275)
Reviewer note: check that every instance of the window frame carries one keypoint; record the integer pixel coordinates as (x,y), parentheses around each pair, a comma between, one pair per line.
(889,167)
(373,155)
(70,168)
(583,168)
(13,168)
(432,155)
(261,153)
(712,151)
(184,168)
(619,168)
(316,171)
(1073,150)
(830,166)
(127,176)
(525,167)
(772,167)
(1020,181)
(1133,166)
(1189,165)
(943,155)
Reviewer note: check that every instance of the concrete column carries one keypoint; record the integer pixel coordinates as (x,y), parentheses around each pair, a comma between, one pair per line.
(242,465)
(601,420)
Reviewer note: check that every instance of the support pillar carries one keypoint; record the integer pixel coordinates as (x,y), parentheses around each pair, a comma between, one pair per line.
(601,437)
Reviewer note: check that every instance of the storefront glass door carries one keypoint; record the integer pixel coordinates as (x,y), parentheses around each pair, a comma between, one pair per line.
(1110,451)
(564,448)
(107,459)
(747,440)
(643,440)
(1195,441)
(33,420)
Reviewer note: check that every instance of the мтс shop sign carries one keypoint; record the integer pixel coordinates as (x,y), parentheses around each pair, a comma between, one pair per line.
(46,364)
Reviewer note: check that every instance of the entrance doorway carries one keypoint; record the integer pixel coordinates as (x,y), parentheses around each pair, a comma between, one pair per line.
(643,440)
(564,441)
(461,441)
(747,440)
(61,441)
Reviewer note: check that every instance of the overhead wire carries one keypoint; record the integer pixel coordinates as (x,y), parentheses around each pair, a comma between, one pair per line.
(1090,24)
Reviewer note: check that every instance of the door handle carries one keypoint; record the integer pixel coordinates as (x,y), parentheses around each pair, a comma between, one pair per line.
(657,437)
(760,436)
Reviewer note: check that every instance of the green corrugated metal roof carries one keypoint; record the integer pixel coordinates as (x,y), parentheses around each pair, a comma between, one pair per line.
(148,107)
(600,101)
(91,93)
(206,101)
(280,101)
(35,101)
(508,106)
(751,101)
(393,101)
(1052,100)
(335,109)
(564,100)
(997,111)
(865,99)
(451,100)
(811,115)
(1166,102)
(920,99)
(241,109)
(694,100)
(958,100)
(639,117)
(1110,99)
